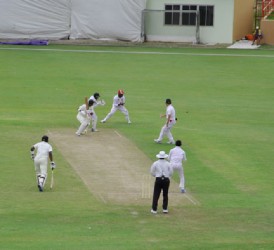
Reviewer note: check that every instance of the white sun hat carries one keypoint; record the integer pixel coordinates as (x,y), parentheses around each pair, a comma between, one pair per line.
(162,155)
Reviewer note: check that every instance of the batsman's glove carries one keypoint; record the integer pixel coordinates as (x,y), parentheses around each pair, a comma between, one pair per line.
(53,165)
(89,113)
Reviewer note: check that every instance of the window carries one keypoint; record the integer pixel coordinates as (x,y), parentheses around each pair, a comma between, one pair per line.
(206,15)
(186,14)
(172,14)
(189,18)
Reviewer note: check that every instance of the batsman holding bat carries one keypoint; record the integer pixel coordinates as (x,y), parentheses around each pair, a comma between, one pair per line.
(85,112)
(43,153)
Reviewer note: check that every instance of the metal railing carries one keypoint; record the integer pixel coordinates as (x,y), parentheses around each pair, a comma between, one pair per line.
(267,7)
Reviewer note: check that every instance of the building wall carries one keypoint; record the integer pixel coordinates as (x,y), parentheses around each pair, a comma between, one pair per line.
(243,18)
(267,28)
(220,32)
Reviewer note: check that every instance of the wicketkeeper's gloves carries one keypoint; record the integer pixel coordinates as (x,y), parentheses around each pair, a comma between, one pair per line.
(53,165)
(32,155)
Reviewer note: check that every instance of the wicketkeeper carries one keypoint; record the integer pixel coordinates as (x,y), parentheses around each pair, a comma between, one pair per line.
(119,102)
(43,153)
(95,98)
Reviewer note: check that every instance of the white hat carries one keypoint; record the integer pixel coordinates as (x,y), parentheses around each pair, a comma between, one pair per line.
(162,155)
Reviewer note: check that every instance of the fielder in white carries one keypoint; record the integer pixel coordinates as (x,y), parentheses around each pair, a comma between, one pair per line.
(176,157)
(43,152)
(85,112)
(170,121)
(119,101)
(96,102)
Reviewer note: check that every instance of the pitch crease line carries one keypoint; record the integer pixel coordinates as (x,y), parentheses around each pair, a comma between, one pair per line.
(191,200)
(118,133)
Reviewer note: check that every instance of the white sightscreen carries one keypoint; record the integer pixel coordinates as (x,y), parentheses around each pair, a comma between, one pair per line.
(107,19)
(57,19)
(34,19)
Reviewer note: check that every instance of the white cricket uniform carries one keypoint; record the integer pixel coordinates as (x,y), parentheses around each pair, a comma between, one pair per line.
(118,104)
(41,158)
(84,118)
(166,129)
(94,117)
(176,157)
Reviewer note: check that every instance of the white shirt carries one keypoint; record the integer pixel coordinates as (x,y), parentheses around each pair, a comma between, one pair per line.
(83,109)
(118,100)
(161,168)
(176,156)
(170,111)
(43,149)
(94,100)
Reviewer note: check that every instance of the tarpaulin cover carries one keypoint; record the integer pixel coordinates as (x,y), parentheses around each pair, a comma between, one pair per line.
(30,42)
(110,19)
(64,19)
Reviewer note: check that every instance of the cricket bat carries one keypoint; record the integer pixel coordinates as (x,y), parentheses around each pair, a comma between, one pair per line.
(86,102)
(52,180)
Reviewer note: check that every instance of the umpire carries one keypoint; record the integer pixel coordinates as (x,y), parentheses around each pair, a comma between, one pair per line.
(162,171)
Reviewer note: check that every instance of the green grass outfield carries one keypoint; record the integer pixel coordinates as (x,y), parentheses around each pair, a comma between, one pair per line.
(225,107)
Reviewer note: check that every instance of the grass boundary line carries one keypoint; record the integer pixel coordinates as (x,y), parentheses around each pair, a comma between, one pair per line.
(141,53)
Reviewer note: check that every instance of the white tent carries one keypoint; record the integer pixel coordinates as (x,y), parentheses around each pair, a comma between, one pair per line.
(75,19)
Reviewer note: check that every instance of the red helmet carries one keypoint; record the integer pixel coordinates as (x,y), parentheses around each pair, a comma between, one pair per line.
(120,92)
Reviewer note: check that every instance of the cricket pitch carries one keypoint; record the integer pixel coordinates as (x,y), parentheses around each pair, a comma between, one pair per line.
(112,168)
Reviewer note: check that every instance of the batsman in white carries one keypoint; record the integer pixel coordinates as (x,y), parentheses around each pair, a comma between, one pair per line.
(176,157)
(43,152)
(119,101)
(85,112)
(170,121)
(97,102)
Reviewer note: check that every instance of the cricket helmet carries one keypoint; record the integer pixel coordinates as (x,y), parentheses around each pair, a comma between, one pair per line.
(120,92)
(90,102)
(45,138)
(96,95)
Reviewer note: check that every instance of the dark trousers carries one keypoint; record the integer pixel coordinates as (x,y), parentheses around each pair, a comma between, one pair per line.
(159,185)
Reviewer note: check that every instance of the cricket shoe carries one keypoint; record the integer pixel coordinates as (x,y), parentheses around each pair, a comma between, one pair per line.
(165,211)
(40,187)
(171,142)
(153,211)
(103,121)
(129,122)
(78,134)
(94,130)
(157,141)
(183,190)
